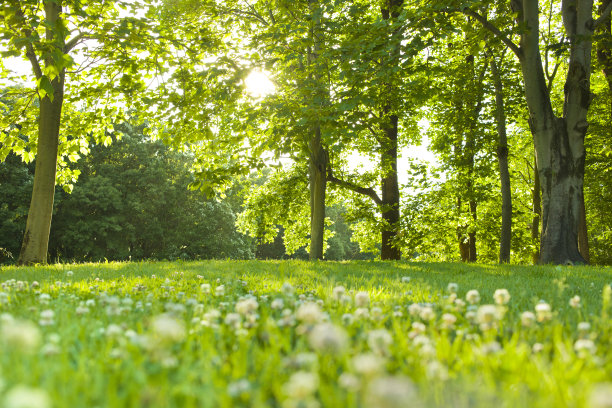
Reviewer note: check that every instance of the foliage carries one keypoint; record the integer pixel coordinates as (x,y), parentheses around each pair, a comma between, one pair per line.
(260,334)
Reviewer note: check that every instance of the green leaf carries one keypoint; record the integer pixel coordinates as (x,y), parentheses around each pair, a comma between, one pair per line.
(45,88)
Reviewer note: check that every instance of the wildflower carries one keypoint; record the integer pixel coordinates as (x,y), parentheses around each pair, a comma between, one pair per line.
(584,327)
(69,273)
(601,396)
(277,304)
(287,289)
(238,388)
(527,319)
(575,302)
(349,382)
(472,297)
(205,288)
(377,314)
(44,298)
(348,319)
(418,328)
(22,335)
(82,309)
(35,285)
(309,313)
(487,316)
(452,287)
(390,392)
(414,309)
(338,292)
(246,306)
(114,331)
(501,296)
(362,299)
(301,385)
(405,279)
(362,313)
(167,329)
(220,290)
(537,348)
(543,312)
(21,396)
(448,320)
(328,338)
(427,313)
(367,364)
(46,318)
(584,347)
(345,299)
(379,341)
(233,320)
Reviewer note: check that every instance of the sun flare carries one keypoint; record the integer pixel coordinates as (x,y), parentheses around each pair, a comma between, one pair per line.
(258,84)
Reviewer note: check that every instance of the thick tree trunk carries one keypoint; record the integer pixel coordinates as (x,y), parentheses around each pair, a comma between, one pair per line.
(318,186)
(390,194)
(38,225)
(559,142)
(504,173)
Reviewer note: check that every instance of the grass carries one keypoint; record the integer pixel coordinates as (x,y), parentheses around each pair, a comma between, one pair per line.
(161,335)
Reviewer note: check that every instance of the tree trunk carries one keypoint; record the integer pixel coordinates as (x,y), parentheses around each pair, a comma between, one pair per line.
(317,154)
(390,194)
(504,173)
(537,214)
(559,142)
(38,225)
(318,186)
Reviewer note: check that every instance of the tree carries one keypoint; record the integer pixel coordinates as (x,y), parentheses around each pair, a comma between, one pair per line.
(50,34)
(558,139)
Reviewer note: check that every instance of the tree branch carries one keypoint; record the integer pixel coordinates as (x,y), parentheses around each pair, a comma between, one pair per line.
(370,192)
(603,16)
(489,26)
(72,43)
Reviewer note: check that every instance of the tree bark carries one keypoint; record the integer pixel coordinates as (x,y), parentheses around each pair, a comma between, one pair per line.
(504,173)
(390,194)
(38,225)
(537,215)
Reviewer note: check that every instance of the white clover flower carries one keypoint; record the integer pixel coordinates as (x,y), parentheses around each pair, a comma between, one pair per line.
(601,396)
(427,313)
(418,327)
(82,309)
(69,273)
(233,320)
(348,319)
(22,396)
(205,288)
(328,338)
(575,302)
(301,384)
(362,299)
(287,289)
(584,347)
(452,287)
(391,392)
(379,341)
(167,329)
(472,297)
(47,318)
(487,317)
(448,320)
(238,388)
(501,296)
(367,364)
(584,327)
(405,279)
(114,331)
(543,312)
(247,306)
(414,309)
(362,313)
(338,292)
(21,335)
(527,319)
(376,314)
(349,382)
(346,299)
(90,303)
(537,348)
(44,298)
(220,290)
(277,304)
(309,313)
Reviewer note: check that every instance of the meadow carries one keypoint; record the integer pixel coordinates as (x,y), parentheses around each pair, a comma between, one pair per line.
(298,334)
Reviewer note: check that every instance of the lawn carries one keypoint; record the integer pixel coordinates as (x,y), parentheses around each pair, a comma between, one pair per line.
(298,334)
